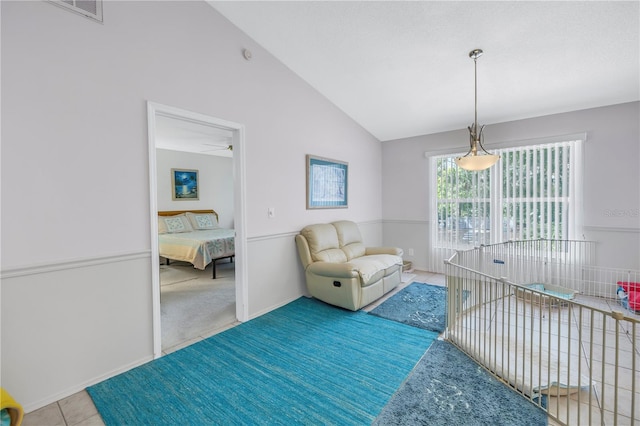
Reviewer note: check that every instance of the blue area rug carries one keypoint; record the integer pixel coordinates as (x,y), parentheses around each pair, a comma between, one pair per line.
(419,305)
(449,388)
(305,363)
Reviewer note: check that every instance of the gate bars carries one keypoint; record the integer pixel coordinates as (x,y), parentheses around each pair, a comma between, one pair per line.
(538,315)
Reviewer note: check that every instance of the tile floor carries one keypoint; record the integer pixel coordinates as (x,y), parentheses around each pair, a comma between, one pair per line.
(607,395)
(570,341)
(76,410)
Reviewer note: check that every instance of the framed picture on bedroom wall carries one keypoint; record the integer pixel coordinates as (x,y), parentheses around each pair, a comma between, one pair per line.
(327,183)
(184,184)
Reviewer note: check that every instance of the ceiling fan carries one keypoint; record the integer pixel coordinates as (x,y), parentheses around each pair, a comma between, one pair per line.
(227,147)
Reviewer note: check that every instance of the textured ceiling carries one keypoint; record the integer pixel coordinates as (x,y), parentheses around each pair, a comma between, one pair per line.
(402,69)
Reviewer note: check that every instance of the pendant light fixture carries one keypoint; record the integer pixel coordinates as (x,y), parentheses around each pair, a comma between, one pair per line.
(475,160)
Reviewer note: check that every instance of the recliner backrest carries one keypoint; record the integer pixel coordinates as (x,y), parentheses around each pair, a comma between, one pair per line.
(323,243)
(349,238)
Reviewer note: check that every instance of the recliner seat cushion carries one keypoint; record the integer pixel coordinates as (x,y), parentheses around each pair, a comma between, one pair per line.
(354,250)
(373,268)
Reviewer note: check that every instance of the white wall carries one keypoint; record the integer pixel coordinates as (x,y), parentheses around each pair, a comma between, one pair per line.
(611,179)
(215,182)
(75,193)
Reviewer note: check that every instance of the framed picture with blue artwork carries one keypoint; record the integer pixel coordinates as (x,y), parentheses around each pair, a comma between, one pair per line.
(327,183)
(184,184)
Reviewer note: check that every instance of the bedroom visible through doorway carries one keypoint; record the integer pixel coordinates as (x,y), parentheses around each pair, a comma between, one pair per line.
(188,304)
(194,305)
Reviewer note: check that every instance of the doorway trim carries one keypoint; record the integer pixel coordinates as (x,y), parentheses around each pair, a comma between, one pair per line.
(238,130)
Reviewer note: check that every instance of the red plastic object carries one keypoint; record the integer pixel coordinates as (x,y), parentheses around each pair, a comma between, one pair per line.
(629,286)
(634,300)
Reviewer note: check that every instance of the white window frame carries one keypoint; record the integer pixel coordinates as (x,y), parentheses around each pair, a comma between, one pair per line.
(574,220)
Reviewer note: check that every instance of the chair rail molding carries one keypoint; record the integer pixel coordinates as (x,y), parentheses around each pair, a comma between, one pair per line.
(63,265)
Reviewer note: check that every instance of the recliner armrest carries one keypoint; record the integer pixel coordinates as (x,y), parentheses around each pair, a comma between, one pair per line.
(384,250)
(303,250)
(335,270)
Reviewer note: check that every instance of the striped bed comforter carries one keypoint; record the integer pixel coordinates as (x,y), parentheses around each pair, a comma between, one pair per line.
(198,247)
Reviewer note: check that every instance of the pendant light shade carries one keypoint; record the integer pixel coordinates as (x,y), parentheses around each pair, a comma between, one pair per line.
(475,160)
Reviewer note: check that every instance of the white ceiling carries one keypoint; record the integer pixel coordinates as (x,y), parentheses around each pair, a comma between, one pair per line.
(402,69)
(190,136)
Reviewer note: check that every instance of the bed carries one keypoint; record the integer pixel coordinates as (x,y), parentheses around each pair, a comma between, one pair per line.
(194,236)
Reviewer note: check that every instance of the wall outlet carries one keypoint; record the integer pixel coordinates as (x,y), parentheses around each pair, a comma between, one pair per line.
(410,252)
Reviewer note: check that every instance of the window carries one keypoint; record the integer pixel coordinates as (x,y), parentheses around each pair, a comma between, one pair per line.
(532,192)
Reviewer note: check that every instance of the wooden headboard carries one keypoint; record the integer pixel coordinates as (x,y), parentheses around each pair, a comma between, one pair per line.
(175,212)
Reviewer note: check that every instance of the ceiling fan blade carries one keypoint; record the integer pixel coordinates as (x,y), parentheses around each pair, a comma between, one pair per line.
(219,148)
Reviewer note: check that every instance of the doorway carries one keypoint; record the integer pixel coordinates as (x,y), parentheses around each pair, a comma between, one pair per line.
(234,132)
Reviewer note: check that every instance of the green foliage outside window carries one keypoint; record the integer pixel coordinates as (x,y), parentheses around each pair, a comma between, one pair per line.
(531,201)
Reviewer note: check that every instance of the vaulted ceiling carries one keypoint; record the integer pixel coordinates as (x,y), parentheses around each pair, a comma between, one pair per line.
(402,69)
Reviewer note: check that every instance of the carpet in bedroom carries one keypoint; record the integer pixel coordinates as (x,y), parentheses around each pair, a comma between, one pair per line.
(192,304)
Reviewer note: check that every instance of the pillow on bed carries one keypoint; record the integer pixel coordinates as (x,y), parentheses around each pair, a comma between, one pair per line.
(202,220)
(162,227)
(176,224)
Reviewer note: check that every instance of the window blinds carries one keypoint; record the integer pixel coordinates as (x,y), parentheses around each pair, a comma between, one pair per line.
(533,192)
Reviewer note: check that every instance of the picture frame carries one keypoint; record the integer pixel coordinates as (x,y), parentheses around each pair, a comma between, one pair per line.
(184,185)
(327,183)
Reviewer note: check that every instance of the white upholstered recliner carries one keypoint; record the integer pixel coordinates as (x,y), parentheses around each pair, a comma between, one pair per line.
(341,271)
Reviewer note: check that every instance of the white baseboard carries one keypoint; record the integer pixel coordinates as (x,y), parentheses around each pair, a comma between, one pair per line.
(274,307)
(82,386)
